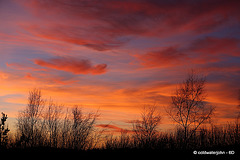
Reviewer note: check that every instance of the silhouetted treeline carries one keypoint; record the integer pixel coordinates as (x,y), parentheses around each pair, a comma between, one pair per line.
(45,123)
(216,136)
(50,126)
(54,130)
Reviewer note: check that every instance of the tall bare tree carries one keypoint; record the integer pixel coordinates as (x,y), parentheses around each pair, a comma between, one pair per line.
(188,107)
(29,124)
(145,129)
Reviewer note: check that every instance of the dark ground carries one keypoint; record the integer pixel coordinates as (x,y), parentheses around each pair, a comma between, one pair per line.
(49,153)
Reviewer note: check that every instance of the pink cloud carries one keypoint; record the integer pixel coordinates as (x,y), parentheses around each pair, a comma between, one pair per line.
(49,79)
(75,35)
(76,66)
(102,26)
(201,51)
(165,57)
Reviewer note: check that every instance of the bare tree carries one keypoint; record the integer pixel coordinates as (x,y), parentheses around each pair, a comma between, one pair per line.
(53,122)
(82,128)
(188,107)
(145,129)
(66,131)
(29,124)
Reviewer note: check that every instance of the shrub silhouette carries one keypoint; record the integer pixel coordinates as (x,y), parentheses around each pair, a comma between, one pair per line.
(144,129)
(3,131)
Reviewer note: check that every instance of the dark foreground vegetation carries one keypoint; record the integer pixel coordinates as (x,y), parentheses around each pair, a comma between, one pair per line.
(214,138)
(45,126)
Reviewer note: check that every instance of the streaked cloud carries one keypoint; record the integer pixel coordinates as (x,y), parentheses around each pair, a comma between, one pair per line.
(166,57)
(76,66)
(113,128)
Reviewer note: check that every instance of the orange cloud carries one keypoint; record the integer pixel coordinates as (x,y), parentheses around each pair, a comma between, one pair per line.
(29,76)
(76,66)
(4,75)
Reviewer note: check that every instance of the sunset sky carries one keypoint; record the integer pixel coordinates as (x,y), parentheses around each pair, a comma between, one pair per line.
(118,55)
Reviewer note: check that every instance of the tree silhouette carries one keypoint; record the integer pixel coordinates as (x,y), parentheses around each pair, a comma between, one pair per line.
(188,107)
(29,123)
(145,129)
(52,121)
(3,131)
(82,128)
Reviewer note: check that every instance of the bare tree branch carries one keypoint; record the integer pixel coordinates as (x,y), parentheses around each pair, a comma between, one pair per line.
(188,107)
